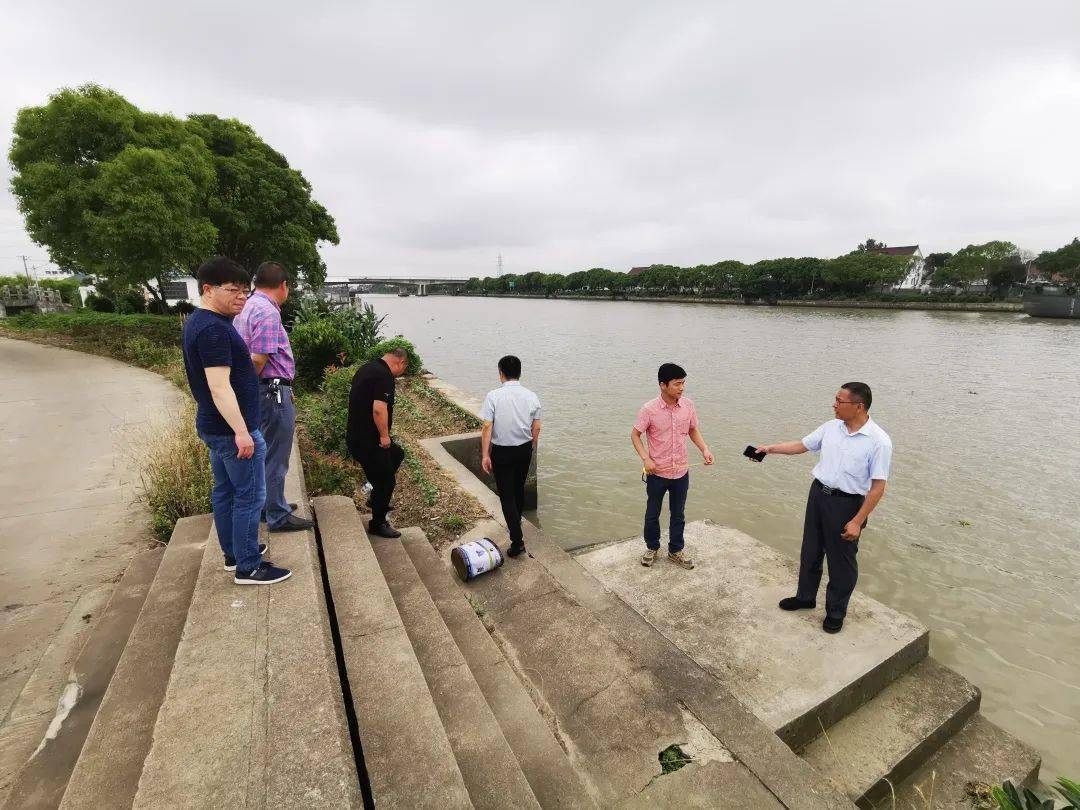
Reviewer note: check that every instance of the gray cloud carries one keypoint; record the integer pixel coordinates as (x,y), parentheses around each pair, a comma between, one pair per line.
(572,135)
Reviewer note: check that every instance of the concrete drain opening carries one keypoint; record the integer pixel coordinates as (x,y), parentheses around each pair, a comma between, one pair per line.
(672,758)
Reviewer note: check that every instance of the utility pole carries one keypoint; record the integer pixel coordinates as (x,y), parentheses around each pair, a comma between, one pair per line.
(26,270)
(498,262)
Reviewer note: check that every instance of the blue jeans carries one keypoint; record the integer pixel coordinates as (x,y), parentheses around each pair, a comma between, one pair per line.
(277,422)
(238,497)
(655,487)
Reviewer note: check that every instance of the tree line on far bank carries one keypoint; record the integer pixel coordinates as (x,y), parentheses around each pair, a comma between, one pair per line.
(863,272)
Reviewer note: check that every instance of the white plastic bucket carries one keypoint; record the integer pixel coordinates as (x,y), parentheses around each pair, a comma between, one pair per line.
(470,560)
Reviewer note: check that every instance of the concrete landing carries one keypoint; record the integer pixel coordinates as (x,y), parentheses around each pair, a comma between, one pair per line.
(724,615)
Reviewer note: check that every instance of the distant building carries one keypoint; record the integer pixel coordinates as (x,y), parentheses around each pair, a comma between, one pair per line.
(914,279)
(636,271)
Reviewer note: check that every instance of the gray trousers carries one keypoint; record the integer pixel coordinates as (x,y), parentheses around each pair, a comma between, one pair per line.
(277,422)
(826,516)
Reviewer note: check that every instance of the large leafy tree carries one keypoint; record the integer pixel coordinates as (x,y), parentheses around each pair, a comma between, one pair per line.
(976,263)
(261,207)
(135,197)
(1064,261)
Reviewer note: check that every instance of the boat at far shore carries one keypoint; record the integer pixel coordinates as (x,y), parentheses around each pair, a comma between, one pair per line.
(1051,301)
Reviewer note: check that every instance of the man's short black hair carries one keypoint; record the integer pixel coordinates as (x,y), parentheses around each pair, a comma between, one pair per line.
(860,392)
(270,275)
(510,367)
(669,372)
(220,270)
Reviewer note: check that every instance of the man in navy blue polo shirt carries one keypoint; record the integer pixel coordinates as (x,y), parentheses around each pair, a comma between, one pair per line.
(226,391)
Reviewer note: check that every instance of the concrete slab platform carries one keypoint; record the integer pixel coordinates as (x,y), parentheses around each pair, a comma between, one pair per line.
(981,752)
(253,715)
(724,615)
(407,755)
(890,736)
(487,764)
(553,780)
(111,761)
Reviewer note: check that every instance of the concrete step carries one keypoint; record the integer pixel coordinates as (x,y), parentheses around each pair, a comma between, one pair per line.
(724,615)
(553,780)
(613,715)
(488,767)
(33,708)
(885,740)
(110,764)
(253,716)
(981,752)
(43,779)
(409,760)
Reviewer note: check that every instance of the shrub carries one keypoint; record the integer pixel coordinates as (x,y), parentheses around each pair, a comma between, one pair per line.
(328,474)
(325,413)
(176,477)
(415,366)
(99,303)
(322,338)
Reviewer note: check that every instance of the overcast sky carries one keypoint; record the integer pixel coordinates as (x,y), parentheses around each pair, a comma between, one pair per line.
(568,135)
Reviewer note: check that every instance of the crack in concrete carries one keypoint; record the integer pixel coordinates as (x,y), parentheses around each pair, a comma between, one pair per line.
(597,693)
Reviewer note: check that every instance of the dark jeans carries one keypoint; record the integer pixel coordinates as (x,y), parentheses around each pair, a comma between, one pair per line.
(826,516)
(655,487)
(510,466)
(278,422)
(238,497)
(380,466)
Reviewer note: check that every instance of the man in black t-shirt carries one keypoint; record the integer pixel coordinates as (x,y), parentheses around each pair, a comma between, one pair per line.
(226,390)
(371,415)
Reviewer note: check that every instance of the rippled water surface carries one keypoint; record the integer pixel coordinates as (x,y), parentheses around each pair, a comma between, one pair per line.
(977,536)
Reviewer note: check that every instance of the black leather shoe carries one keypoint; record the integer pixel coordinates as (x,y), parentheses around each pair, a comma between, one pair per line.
(795,603)
(831,625)
(293,524)
(516,549)
(384,530)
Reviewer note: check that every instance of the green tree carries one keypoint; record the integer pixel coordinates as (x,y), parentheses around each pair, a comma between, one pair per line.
(871,244)
(1064,261)
(137,197)
(262,208)
(979,262)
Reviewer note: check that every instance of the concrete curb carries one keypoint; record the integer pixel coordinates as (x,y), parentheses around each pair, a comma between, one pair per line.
(487,764)
(111,762)
(408,757)
(543,761)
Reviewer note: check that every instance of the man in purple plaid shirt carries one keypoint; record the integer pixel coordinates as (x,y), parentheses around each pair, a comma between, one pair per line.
(259,324)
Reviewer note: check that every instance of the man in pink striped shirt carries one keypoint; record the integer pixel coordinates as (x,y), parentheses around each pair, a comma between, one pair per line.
(667,422)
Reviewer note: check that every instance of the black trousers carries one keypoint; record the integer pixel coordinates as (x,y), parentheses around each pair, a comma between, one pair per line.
(380,466)
(826,516)
(510,466)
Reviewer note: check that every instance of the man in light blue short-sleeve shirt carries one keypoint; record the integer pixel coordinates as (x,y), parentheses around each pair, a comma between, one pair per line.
(511,417)
(849,481)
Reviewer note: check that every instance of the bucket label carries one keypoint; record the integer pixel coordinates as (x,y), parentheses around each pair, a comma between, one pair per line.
(480,556)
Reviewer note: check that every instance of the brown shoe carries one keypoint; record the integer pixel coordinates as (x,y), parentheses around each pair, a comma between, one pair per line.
(649,557)
(681,560)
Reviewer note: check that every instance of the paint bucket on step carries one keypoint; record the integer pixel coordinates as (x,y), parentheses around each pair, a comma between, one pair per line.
(470,560)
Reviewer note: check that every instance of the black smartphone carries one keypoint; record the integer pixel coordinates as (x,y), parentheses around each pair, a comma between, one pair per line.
(751,452)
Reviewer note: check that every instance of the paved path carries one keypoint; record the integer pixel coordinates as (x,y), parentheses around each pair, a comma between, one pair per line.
(69,524)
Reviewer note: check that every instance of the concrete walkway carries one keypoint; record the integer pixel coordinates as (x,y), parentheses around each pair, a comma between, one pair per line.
(69,524)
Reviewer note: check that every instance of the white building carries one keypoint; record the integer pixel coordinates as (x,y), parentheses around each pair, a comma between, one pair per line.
(914,279)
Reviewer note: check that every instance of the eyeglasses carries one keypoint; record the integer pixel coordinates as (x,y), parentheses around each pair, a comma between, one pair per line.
(839,401)
(236,291)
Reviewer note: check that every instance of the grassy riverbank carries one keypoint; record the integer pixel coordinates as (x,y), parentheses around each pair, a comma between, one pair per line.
(176,475)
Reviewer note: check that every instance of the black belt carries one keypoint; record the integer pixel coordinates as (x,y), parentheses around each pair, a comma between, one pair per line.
(839,493)
(272,380)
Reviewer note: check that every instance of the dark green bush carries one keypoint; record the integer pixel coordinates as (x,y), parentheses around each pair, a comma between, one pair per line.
(322,338)
(325,413)
(416,365)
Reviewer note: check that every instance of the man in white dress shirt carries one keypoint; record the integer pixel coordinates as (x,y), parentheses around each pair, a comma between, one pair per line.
(511,417)
(849,481)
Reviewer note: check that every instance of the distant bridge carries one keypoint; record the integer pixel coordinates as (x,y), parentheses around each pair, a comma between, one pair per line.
(421,284)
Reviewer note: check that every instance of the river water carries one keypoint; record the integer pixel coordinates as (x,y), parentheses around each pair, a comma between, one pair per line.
(977,536)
